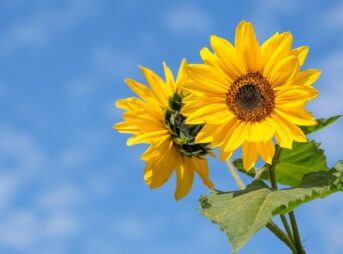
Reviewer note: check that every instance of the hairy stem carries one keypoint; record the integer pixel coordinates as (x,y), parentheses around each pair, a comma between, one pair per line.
(235,175)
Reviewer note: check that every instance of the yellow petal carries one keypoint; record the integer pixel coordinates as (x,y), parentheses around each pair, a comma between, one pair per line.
(307,77)
(296,96)
(184,178)
(202,114)
(208,57)
(149,153)
(259,131)
(147,137)
(301,53)
(225,155)
(248,46)
(269,46)
(231,62)
(126,127)
(201,167)
(278,50)
(298,116)
(284,71)
(204,136)
(140,89)
(266,150)
(249,153)
(182,77)
(171,86)
(159,88)
(283,135)
(239,135)
(131,103)
(162,171)
(208,75)
(222,132)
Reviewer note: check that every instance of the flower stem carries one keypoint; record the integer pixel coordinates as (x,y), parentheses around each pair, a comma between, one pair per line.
(296,236)
(297,240)
(235,175)
(270,225)
(281,235)
(274,186)
(286,226)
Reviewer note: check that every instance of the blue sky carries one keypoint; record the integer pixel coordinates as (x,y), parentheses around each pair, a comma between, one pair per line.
(68,182)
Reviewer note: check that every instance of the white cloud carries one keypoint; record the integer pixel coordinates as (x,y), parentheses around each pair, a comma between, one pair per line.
(62,196)
(333,19)
(188,19)
(266,14)
(27,230)
(50,214)
(135,228)
(115,62)
(81,87)
(60,225)
(21,158)
(330,97)
(44,24)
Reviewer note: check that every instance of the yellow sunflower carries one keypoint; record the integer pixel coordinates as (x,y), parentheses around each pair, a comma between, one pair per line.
(248,93)
(155,119)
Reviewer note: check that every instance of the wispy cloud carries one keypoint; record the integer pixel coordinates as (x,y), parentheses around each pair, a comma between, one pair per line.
(333,19)
(329,100)
(21,159)
(44,24)
(266,14)
(50,213)
(115,62)
(188,19)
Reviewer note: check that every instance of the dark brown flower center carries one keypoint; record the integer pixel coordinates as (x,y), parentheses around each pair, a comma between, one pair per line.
(251,97)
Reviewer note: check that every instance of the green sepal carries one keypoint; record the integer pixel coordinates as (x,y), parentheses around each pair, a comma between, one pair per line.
(183,134)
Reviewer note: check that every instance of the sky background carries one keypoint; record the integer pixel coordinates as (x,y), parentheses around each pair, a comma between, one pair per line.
(69,183)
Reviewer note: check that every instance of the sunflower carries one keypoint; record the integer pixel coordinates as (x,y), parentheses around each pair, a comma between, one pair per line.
(249,93)
(155,119)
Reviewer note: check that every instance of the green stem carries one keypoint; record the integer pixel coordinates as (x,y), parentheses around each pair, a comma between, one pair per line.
(286,226)
(297,240)
(274,186)
(281,235)
(272,168)
(296,236)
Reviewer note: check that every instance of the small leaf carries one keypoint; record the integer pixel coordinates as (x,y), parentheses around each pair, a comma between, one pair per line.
(321,123)
(339,166)
(241,214)
(293,164)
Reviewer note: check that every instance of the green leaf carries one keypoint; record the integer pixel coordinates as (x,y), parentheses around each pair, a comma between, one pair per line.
(293,164)
(241,214)
(321,123)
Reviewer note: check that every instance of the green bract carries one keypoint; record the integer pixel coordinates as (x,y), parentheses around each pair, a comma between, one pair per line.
(183,134)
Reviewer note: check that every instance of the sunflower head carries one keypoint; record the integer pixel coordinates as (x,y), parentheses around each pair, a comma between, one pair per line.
(155,119)
(249,94)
